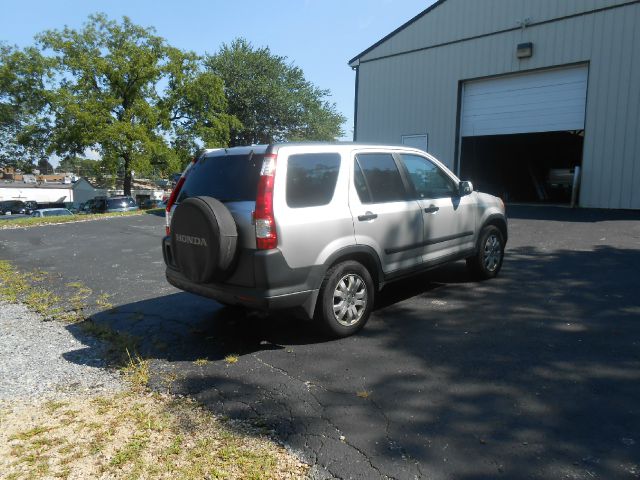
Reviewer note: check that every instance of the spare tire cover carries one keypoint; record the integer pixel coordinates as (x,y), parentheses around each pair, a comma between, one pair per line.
(204,238)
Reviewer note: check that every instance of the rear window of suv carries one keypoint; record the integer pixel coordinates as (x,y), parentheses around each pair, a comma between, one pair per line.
(228,178)
(311,179)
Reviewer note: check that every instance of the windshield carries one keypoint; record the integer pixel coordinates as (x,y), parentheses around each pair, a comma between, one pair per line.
(228,178)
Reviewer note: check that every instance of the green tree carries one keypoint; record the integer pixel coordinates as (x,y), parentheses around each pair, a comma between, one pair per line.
(83,167)
(123,91)
(24,118)
(271,98)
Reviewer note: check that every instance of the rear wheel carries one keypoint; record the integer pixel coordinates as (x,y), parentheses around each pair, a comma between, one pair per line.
(346,299)
(488,260)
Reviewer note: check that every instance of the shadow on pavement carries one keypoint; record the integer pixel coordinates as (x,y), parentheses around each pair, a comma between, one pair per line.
(535,374)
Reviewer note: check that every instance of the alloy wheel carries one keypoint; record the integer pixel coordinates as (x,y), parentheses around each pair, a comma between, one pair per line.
(349,299)
(492,252)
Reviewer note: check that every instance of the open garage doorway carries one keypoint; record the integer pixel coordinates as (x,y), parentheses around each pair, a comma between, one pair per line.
(521,135)
(526,167)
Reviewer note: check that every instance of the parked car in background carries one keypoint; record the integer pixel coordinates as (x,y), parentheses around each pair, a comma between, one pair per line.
(114,204)
(14,207)
(87,207)
(148,204)
(31,206)
(51,212)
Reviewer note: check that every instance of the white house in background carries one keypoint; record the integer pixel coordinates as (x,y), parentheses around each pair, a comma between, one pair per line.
(75,193)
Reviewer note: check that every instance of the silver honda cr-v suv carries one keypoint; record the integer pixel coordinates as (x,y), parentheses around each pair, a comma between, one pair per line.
(321,228)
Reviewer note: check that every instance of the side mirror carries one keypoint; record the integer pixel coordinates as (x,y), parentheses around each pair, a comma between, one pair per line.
(465,188)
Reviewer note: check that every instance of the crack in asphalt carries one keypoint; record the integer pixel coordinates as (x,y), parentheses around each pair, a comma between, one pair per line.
(329,421)
(393,444)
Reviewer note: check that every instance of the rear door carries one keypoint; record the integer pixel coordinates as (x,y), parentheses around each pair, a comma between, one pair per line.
(448,218)
(385,216)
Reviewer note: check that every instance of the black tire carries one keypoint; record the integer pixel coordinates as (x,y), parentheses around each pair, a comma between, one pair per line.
(488,260)
(204,239)
(353,280)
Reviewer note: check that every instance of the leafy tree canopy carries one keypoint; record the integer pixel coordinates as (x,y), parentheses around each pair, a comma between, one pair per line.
(145,106)
(24,120)
(121,90)
(271,97)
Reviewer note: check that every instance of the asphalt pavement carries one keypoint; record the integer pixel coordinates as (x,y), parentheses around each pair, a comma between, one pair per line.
(534,374)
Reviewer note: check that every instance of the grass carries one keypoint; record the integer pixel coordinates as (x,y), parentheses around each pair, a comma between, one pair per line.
(133,434)
(37,221)
(129,435)
(29,289)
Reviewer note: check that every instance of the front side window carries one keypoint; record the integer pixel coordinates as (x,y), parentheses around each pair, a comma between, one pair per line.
(311,179)
(377,178)
(427,178)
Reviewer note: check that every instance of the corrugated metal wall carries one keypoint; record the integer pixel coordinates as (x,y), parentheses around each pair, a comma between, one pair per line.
(418,92)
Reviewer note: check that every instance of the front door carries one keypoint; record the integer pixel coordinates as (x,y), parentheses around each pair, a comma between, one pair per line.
(448,218)
(385,216)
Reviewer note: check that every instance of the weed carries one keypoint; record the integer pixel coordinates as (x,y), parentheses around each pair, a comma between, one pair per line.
(363,394)
(12,284)
(28,434)
(231,359)
(137,371)
(119,342)
(43,302)
(130,451)
(103,301)
(52,405)
(201,362)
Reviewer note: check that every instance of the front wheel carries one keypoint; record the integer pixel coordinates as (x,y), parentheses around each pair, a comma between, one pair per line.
(346,299)
(488,260)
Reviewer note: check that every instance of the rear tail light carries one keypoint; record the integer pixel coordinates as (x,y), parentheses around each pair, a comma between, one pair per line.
(266,235)
(174,196)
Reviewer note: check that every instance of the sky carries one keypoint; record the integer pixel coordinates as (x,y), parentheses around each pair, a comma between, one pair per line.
(318,36)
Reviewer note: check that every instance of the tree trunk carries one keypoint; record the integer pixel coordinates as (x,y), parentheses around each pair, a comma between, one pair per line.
(127,174)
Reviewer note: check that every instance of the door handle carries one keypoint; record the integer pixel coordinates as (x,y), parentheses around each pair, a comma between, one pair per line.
(431,209)
(367,216)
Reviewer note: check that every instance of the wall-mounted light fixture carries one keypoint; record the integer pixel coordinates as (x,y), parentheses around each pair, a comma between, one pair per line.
(524,50)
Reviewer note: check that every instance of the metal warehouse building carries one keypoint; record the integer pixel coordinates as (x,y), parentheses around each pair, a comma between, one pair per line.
(514,95)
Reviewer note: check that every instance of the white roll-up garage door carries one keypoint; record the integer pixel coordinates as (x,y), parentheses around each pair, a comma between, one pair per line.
(542,101)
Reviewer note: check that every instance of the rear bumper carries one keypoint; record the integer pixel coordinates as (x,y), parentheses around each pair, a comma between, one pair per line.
(262,280)
(258,299)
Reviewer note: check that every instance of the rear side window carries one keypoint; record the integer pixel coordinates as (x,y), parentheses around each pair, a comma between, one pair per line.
(377,178)
(228,178)
(311,179)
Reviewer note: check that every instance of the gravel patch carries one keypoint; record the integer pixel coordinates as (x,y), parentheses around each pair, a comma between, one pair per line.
(48,359)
